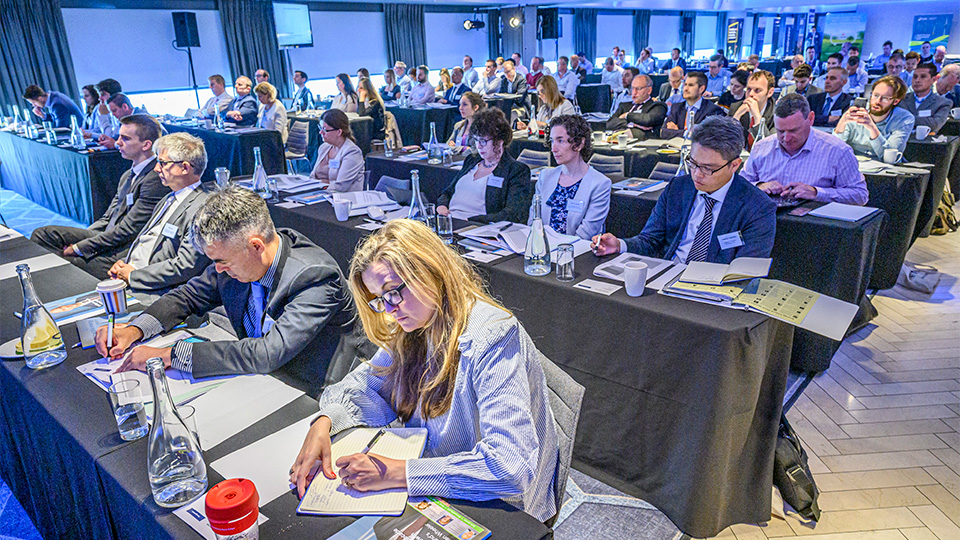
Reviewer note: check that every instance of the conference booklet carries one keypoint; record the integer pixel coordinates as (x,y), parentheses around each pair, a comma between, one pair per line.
(427,518)
(79,306)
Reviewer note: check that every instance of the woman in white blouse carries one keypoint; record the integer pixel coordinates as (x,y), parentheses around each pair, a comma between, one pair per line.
(347,100)
(552,102)
(575,197)
(272,114)
(339,159)
(470,104)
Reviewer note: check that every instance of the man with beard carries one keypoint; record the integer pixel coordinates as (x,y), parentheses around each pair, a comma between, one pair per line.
(884,125)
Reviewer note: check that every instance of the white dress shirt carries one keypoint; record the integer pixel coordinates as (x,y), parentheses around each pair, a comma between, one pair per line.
(622,97)
(613,78)
(423,93)
(216,105)
(470,76)
(470,196)
(567,83)
(146,242)
(696,216)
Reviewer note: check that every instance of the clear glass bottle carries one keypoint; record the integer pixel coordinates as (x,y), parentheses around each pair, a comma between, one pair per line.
(175,464)
(417,210)
(434,152)
(218,123)
(76,134)
(31,128)
(688,124)
(259,175)
(49,133)
(40,336)
(536,258)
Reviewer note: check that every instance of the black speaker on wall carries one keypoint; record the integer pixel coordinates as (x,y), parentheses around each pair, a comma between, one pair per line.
(185,26)
(549,23)
(686,24)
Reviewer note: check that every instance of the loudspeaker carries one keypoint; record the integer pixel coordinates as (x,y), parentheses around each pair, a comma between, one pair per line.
(185,26)
(686,24)
(549,23)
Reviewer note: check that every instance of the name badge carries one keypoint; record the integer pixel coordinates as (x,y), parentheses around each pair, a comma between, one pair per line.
(129,199)
(574,205)
(334,163)
(268,323)
(495,181)
(836,112)
(169,230)
(924,113)
(730,240)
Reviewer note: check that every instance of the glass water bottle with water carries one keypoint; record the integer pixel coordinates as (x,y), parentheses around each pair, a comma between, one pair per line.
(40,338)
(417,210)
(259,175)
(434,150)
(688,124)
(536,257)
(174,460)
(76,134)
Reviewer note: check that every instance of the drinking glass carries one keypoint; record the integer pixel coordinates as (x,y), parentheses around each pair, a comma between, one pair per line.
(430,211)
(388,148)
(445,228)
(126,401)
(189,416)
(565,262)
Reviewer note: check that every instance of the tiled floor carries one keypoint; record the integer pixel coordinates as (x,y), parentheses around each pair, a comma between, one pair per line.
(881,425)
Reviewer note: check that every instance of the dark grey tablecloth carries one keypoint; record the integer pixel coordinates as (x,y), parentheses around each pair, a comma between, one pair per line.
(234,150)
(941,156)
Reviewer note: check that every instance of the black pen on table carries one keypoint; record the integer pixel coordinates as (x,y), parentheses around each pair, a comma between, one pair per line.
(374,440)
(110,320)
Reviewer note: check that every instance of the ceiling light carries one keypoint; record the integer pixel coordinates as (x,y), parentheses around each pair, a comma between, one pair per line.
(515,21)
(473,25)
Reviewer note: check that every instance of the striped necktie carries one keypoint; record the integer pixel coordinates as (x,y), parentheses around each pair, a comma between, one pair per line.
(153,222)
(701,241)
(253,316)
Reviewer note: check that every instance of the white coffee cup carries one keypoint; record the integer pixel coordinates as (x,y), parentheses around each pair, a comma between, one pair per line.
(635,277)
(891,155)
(342,209)
(955,113)
(922,132)
(622,140)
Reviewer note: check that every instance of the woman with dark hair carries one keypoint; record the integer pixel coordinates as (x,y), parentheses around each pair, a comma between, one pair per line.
(347,100)
(362,73)
(339,159)
(371,105)
(491,186)
(470,104)
(90,99)
(390,90)
(575,195)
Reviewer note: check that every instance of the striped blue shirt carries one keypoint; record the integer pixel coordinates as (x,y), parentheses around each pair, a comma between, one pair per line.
(497,440)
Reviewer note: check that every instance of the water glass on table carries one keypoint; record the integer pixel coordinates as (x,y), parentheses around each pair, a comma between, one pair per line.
(126,400)
(565,256)
(222,176)
(388,148)
(430,211)
(445,228)
(189,416)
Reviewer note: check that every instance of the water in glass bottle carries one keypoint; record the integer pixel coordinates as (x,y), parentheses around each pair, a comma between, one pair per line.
(536,257)
(40,338)
(259,175)
(434,151)
(418,210)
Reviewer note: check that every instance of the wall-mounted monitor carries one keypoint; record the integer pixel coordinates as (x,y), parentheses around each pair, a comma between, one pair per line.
(293,25)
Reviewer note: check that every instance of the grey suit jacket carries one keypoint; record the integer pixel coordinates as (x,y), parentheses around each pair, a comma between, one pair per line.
(173,260)
(938,106)
(315,332)
(144,191)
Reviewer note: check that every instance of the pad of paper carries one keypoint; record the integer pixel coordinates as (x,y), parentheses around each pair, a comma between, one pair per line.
(843,212)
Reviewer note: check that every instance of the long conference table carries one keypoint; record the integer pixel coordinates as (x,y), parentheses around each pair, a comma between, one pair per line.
(63,458)
(233,148)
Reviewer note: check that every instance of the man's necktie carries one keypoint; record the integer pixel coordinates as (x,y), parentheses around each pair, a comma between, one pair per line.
(253,317)
(827,103)
(701,241)
(156,219)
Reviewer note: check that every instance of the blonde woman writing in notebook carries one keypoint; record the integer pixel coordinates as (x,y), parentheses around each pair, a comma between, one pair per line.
(452,360)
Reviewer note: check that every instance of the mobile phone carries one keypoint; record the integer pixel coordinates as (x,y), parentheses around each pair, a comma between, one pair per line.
(860,102)
(800,211)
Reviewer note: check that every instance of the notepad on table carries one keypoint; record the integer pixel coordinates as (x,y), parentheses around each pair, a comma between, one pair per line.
(843,212)
(716,273)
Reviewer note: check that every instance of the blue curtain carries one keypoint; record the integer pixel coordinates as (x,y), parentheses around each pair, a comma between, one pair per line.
(688,27)
(493,35)
(722,31)
(248,29)
(34,50)
(406,34)
(585,32)
(641,30)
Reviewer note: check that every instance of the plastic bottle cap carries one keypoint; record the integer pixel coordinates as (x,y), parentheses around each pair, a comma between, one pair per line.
(232,506)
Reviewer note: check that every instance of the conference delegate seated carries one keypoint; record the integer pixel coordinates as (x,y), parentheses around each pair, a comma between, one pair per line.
(457,89)
(718,77)
(829,105)
(272,113)
(552,104)
(801,83)
(948,84)
(755,112)
(645,63)
(577,69)
(491,185)
(470,75)
(673,62)
(672,91)
(120,107)
(339,159)
(927,108)
(537,70)
(390,91)
(788,76)
(217,105)
(52,106)
(347,100)
(624,94)
(422,92)
(711,214)
(694,85)
(736,92)
(804,163)
(470,104)
(643,116)
(303,97)
(857,77)
(481,393)
(371,105)
(242,111)
(611,73)
(284,296)
(163,254)
(574,197)
(97,247)
(399,69)
(107,122)
(567,81)
(883,126)
(489,82)
(90,124)
(445,81)
(261,76)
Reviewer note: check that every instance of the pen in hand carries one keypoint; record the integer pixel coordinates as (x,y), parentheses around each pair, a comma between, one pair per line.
(374,440)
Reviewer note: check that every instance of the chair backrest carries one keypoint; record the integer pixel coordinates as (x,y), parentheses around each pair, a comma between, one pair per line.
(534,158)
(392,129)
(594,98)
(566,398)
(664,171)
(297,139)
(607,164)
(388,183)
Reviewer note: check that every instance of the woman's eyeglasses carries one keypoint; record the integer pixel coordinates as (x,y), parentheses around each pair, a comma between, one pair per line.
(392,297)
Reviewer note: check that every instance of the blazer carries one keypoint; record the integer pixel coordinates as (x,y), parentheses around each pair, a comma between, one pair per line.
(650,114)
(247,107)
(274,117)
(313,331)
(593,199)
(455,92)
(60,108)
(174,260)
(810,90)
(678,115)
(303,98)
(129,211)
(510,201)
(349,176)
(934,110)
(745,209)
(666,91)
(456,135)
(390,95)
(518,86)
(766,114)
(375,111)
(953,96)
(841,104)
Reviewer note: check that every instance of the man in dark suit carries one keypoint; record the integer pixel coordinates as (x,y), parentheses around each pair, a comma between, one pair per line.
(286,299)
(459,88)
(671,91)
(694,86)
(755,112)
(120,106)
(828,106)
(712,214)
(52,106)
(674,61)
(95,248)
(242,111)
(642,115)
(928,108)
(162,256)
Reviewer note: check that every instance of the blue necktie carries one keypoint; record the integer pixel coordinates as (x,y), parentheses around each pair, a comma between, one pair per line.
(698,251)
(827,102)
(253,317)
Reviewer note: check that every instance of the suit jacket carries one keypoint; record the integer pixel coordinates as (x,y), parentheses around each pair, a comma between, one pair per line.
(650,114)
(274,117)
(349,175)
(173,260)
(666,91)
(586,212)
(247,106)
(313,332)
(810,90)
(767,115)
(518,86)
(510,201)
(841,104)
(953,95)
(455,92)
(669,64)
(678,115)
(129,210)
(303,98)
(933,111)
(745,209)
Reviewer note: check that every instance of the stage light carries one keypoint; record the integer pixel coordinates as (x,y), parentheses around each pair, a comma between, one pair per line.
(473,25)
(515,21)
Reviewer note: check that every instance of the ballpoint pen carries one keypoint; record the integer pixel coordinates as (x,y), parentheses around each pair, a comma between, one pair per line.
(374,440)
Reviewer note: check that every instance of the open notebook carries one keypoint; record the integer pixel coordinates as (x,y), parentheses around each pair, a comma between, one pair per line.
(330,497)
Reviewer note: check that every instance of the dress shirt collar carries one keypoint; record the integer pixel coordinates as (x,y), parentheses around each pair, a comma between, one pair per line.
(720,194)
(267,280)
(182,193)
(807,145)
(138,168)
(919,99)
(696,106)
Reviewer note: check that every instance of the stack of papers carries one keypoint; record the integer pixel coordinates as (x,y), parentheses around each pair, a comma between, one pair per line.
(843,212)
(296,183)
(614,269)
(422,154)
(513,237)
(640,185)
